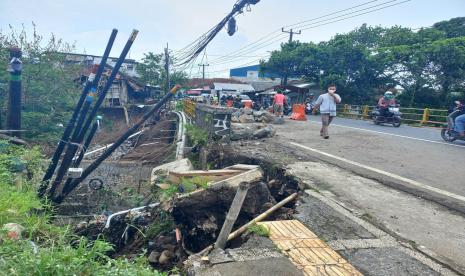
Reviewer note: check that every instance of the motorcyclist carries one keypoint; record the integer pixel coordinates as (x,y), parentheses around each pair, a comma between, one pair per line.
(385,102)
(459,115)
(309,104)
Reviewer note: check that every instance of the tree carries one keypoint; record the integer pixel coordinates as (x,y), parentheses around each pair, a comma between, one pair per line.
(49,91)
(454,27)
(284,62)
(151,71)
(428,64)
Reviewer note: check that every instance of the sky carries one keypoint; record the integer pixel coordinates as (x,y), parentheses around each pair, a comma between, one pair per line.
(179,22)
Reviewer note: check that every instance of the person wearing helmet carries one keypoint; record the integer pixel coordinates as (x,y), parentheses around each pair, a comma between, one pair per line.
(384,102)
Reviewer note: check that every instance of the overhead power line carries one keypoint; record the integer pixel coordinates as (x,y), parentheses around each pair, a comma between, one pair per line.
(249,49)
(325,22)
(292,25)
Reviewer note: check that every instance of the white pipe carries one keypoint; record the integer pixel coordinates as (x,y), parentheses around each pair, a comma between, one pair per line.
(109,145)
(107,225)
(181,135)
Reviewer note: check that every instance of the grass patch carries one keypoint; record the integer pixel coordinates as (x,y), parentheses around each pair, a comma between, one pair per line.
(197,136)
(259,230)
(44,248)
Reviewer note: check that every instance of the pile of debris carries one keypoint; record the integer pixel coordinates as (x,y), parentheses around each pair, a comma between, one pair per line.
(251,131)
(247,115)
(189,221)
(248,124)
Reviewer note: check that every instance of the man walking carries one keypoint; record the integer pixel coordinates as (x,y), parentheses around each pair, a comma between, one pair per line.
(327,104)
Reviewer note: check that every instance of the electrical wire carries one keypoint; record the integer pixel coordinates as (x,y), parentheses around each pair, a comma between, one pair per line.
(344,17)
(331,20)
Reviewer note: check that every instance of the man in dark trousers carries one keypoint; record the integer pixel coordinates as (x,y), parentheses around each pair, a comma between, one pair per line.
(327,104)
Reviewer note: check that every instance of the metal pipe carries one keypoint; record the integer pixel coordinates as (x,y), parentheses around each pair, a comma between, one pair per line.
(70,126)
(107,224)
(66,190)
(80,133)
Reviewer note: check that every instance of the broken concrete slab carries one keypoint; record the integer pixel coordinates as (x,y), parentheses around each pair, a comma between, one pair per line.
(175,166)
(251,131)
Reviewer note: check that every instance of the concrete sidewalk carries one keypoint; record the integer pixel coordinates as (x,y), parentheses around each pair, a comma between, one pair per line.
(380,230)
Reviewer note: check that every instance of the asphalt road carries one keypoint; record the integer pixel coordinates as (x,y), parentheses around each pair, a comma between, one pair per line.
(414,153)
(424,133)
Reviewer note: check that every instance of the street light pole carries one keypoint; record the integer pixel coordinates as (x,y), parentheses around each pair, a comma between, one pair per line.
(14,97)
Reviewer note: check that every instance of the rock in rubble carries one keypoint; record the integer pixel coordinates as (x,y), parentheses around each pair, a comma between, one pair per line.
(246,119)
(175,166)
(241,131)
(267,131)
(153,257)
(247,111)
(13,230)
(165,257)
(263,116)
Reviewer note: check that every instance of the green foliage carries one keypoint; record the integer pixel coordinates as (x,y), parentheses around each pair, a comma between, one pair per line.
(180,105)
(259,230)
(49,93)
(46,249)
(162,224)
(197,136)
(427,65)
(191,184)
(153,72)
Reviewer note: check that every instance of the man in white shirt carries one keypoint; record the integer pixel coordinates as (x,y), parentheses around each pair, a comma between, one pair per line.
(327,104)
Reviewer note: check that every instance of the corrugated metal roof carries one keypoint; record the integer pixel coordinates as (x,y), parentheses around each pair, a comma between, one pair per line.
(233,87)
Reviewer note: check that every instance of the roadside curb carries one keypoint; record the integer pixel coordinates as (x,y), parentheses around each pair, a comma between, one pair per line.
(448,202)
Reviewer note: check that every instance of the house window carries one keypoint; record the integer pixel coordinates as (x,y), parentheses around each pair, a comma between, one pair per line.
(130,67)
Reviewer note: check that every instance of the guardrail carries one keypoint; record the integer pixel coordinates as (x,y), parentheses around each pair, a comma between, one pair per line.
(414,116)
(189,108)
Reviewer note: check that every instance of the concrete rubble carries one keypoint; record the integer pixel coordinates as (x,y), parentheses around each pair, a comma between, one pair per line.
(240,131)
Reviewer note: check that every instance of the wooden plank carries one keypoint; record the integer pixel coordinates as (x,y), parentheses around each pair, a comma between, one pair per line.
(306,251)
(231,182)
(242,167)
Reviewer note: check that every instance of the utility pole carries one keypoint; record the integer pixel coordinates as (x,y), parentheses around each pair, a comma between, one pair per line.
(167,67)
(203,72)
(14,98)
(291,33)
(291,36)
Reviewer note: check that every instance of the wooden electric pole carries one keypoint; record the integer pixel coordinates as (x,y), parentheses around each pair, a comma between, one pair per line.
(167,67)
(291,33)
(291,36)
(203,72)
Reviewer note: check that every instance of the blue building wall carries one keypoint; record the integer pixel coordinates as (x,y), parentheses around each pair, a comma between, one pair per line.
(242,72)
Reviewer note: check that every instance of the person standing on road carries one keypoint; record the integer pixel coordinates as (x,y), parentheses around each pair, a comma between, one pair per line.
(327,104)
(278,103)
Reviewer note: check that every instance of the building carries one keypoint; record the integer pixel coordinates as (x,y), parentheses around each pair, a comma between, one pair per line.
(128,66)
(251,73)
(220,88)
(125,90)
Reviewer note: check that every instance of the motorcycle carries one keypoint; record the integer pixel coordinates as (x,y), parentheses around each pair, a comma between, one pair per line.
(448,133)
(309,108)
(393,116)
